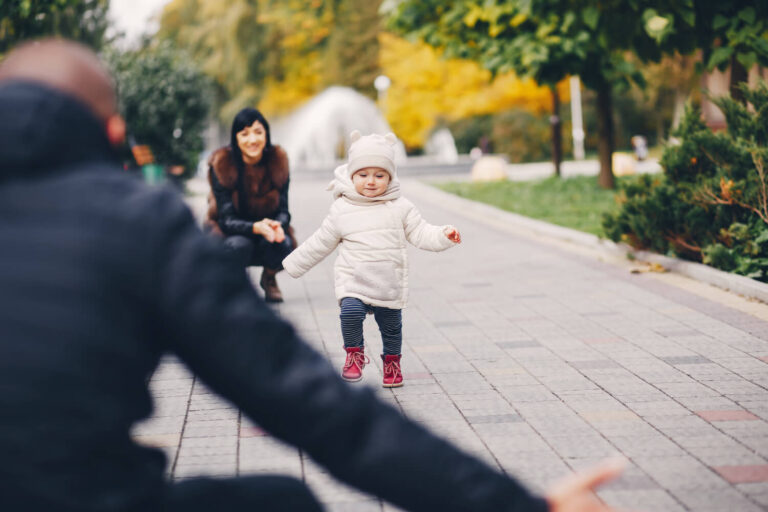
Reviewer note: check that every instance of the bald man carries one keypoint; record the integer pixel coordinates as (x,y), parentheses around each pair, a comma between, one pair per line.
(100,276)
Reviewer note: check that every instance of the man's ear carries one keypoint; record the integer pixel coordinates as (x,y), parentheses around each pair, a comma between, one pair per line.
(115,130)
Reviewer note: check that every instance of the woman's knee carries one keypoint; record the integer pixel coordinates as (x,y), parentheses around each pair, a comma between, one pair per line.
(273,254)
(240,248)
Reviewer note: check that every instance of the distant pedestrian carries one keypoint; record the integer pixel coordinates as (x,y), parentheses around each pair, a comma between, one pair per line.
(248,205)
(371,222)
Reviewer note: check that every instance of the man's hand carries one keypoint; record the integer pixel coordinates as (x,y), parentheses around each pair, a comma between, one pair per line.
(453,235)
(575,493)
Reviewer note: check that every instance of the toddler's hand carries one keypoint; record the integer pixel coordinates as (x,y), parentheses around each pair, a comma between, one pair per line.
(453,235)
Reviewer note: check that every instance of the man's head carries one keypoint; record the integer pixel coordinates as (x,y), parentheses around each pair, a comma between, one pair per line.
(72,69)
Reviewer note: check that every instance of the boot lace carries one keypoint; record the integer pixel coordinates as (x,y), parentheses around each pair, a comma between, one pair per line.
(358,359)
(392,368)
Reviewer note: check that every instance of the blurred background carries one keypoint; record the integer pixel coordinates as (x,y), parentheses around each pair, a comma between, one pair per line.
(447,77)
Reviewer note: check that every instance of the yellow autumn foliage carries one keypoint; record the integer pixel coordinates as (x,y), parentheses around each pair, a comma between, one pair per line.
(294,53)
(301,81)
(426,88)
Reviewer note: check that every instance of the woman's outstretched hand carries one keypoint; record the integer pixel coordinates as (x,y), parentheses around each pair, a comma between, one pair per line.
(270,229)
(453,234)
(575,493)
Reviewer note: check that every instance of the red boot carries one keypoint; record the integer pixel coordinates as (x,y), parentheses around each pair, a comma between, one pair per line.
(353,366)
(393,376)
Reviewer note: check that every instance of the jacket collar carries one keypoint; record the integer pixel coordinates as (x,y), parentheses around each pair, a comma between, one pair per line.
(42,129)
(342,186)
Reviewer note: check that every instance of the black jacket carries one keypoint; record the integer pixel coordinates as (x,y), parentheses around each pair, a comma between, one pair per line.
(99,276)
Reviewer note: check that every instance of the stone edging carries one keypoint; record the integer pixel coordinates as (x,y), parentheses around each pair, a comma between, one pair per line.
(726,280)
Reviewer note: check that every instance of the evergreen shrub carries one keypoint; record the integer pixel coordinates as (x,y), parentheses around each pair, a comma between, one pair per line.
(711,203)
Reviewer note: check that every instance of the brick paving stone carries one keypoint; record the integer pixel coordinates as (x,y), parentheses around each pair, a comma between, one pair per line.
(759,444)
(708,500)
(741,429)
(641,499)
(757,491)
(496,418)
(683,360)
(726,415)
(735,455)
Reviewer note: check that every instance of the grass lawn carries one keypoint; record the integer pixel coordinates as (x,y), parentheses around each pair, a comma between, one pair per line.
(577,202)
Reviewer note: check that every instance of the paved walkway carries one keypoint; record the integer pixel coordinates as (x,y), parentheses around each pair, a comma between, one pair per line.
(535,355)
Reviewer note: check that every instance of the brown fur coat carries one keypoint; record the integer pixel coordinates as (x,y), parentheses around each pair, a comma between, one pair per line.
(262,185)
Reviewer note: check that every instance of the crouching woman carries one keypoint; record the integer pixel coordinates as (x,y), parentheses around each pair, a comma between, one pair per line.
(248,205)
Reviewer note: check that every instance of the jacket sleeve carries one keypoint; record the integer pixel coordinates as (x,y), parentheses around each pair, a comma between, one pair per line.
(229,222)
(422,234)
(209,314)
(283,216)
(314,249)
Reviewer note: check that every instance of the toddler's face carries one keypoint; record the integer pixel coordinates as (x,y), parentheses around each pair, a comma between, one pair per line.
(371,181)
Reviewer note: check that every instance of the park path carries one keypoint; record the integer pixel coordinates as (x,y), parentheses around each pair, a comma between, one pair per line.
(537,356)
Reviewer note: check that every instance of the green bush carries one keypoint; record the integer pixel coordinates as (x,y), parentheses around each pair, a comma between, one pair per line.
(468,132)
(516,133)
(711,203)
(165,100)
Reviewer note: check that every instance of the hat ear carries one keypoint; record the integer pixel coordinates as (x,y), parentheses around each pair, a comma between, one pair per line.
(355,135)
(391,138)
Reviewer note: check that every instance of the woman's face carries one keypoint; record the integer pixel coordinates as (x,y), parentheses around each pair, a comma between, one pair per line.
(371,181)
(251,141)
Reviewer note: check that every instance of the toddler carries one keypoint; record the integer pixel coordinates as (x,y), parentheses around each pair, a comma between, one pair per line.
(370,222)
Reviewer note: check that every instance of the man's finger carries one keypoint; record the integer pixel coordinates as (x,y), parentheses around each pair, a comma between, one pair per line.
(604,472)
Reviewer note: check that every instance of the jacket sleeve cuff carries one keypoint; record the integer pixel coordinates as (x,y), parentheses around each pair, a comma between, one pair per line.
(446,242)
(290,266)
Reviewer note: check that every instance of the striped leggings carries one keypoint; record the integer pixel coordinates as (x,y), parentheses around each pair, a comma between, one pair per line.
(390,323)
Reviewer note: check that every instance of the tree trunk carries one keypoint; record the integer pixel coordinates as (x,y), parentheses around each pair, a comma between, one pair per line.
(557,131)
(605,133)
(679,111)
(738,76)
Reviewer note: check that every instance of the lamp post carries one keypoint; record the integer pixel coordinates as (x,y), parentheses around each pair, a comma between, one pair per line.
(382,83)
(576,120)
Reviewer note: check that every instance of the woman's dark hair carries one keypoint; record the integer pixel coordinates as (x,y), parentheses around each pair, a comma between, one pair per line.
(246,117)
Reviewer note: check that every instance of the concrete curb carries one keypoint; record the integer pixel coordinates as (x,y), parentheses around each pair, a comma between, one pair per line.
(732,282)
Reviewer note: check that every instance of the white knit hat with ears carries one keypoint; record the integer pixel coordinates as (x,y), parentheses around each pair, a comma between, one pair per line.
(372,151)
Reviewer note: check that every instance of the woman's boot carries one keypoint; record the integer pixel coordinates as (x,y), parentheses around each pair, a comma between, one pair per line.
(269,284)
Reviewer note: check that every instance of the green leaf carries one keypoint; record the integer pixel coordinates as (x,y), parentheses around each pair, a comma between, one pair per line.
(748,15)
(747,59)
(590,15)
(719,57)
(762,237)
(689,17)
(568,20)
(719,22)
